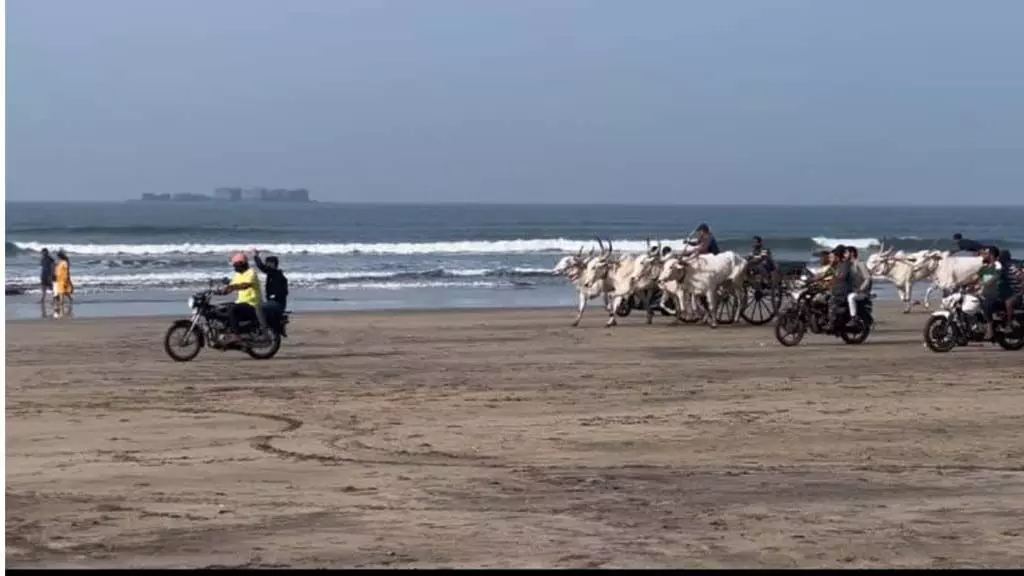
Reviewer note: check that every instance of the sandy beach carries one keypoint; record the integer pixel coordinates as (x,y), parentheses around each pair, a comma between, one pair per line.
(507,438)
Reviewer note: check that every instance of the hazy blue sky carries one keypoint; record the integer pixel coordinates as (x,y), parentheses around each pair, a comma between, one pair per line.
(677,101)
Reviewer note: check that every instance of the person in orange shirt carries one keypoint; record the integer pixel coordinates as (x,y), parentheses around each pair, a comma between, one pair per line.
(63,288)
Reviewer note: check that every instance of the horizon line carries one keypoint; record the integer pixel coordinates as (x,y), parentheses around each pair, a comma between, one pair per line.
(525,204)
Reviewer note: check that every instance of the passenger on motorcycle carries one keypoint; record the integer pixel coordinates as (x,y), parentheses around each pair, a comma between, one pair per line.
(247,285)
(1010,275)
(841,286)
(862,282)
(276,288)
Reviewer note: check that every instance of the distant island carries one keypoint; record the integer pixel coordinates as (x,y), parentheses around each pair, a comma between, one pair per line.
(235,195)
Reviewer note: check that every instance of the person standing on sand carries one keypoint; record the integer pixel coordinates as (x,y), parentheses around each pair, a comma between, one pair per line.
(63,288)
(46,265)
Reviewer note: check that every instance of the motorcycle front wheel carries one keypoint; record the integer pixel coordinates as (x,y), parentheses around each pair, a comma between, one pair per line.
(938,334)
(181,343)
(790,329)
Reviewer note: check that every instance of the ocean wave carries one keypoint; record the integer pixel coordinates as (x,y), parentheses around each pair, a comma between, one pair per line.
(134,255)
(193,279)
(552,245)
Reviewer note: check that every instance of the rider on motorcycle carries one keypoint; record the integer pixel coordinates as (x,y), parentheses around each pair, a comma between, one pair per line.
(862,282)
(1015,271)
(828,266)
(841,286)
(992,287)
(247,285)
(1009,286)
(276,288)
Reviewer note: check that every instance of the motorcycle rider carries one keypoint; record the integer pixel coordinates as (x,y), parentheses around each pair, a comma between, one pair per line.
(841,286)
(862,282)
(276,288)
(705,243)
(249,298)
(988,287)
(1008,286)
(1015,271)
(828,265)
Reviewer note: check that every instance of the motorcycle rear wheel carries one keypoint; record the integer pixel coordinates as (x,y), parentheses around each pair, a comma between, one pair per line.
(1013,341)
(268,352)
(858,337)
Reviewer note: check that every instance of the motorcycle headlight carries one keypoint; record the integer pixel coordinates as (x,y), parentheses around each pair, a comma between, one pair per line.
(191,302)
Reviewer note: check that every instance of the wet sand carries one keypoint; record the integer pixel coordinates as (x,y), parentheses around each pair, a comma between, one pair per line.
(507,438)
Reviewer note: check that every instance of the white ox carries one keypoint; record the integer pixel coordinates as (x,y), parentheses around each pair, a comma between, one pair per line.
(704,275)
(620,277)
(903,269)
(573,267)
(950,272)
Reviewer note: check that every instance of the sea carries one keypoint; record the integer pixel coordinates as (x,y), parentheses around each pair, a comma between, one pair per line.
(146,258)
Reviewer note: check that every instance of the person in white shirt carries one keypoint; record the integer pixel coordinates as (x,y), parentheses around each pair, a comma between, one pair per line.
(863,283)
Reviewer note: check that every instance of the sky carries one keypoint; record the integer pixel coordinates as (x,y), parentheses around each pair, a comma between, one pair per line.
(563,101)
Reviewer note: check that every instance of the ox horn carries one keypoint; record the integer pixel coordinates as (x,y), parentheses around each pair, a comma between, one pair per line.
(610,248)
(599,243)
(580,253)
(648,241)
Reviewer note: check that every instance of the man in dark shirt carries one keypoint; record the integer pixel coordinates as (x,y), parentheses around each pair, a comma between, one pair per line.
(705,243)
(46,264)
(275,289)
(1005,285)
(760,262)
(842,285)
(961,244)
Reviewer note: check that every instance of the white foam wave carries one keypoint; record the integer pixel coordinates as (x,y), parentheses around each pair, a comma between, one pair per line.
(560,245)
(341,278)
(859,243)
(336,287)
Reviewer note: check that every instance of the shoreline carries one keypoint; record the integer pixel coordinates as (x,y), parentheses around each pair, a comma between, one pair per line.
(881,307)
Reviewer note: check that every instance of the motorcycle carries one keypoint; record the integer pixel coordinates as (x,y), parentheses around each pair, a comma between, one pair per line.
(209,324)
(960,321)
(810,313)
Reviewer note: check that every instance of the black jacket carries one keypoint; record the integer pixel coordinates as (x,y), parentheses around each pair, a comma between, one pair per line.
(965,245)
(277,283)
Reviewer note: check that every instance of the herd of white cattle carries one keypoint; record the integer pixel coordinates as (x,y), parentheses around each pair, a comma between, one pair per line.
(683,277)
